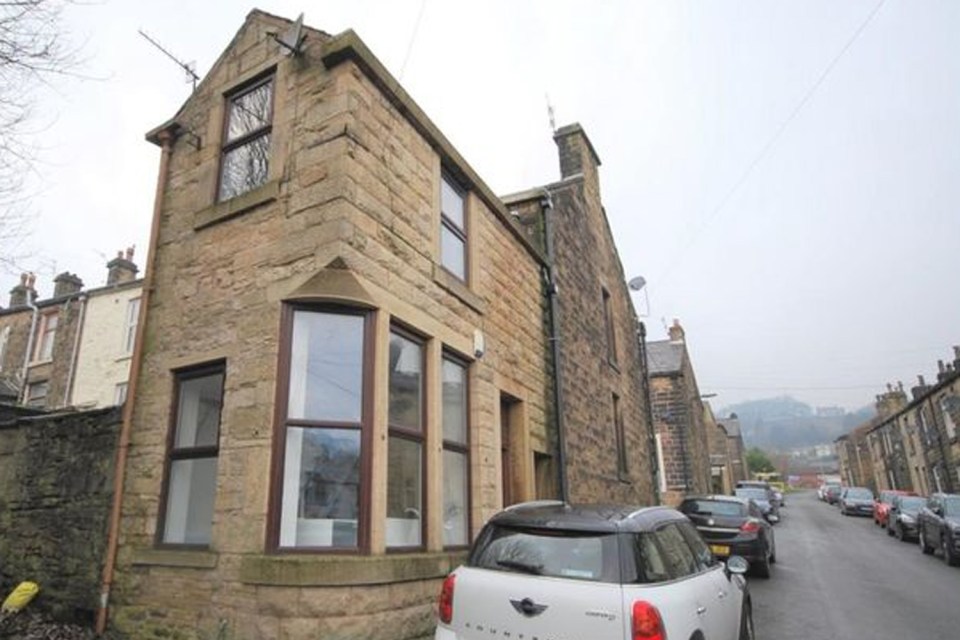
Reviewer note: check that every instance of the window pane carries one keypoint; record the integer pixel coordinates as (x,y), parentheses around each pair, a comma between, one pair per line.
(244,167)
(452,253)
(198,418)
(406,378)
(249,112)
(326,367)
(677,553)
(451,203)
(454,402)
(404,485)
(321,488)
(191,490)
(455,489)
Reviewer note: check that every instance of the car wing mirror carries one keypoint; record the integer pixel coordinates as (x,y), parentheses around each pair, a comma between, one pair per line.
(737,565)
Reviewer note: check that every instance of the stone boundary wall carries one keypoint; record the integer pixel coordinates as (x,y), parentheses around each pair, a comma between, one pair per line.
(56,484)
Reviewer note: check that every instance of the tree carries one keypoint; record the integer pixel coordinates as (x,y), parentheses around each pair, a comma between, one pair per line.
(32,49)
(758,462)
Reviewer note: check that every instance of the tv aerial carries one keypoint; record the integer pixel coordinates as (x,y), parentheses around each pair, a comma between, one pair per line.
(188,67)
(291,40)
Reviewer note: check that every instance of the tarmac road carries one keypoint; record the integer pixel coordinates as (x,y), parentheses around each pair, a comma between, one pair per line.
(842,578)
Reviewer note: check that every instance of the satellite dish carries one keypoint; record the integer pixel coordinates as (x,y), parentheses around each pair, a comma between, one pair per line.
(292,39)
(637,283)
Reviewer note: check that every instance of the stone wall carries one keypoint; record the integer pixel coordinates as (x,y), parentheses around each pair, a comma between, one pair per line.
(56,485)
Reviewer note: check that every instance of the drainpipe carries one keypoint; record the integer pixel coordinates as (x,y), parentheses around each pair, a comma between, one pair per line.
(166,139)
(76,349)
(645,390)
(546,205)
(26,356)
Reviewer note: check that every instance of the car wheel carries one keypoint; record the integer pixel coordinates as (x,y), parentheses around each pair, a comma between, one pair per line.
(763,568)
(924,547)
(899,532)
(746,623)
(949,556)
(773,551)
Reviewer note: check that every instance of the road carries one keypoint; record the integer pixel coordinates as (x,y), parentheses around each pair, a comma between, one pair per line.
(839,578)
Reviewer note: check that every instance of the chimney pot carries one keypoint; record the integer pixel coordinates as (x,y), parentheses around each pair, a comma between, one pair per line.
(121,269)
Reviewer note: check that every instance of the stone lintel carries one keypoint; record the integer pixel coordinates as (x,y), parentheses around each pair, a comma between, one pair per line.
(341,571)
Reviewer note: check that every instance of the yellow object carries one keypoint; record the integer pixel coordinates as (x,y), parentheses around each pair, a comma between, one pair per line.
(20,597)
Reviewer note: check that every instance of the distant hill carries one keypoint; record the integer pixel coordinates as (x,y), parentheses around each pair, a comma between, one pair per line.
(784,423)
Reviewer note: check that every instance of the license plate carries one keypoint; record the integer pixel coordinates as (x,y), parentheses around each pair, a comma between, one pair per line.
(720,549)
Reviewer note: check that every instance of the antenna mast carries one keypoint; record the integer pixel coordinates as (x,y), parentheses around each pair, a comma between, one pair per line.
(188,67)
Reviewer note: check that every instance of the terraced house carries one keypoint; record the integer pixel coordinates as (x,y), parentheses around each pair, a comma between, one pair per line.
(344,365)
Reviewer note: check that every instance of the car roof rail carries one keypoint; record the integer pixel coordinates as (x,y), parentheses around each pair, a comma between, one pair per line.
(536,503)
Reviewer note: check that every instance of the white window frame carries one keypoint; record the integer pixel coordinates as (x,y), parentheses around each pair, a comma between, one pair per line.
(130,325)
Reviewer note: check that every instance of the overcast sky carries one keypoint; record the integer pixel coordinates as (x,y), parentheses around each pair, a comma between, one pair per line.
(783,174)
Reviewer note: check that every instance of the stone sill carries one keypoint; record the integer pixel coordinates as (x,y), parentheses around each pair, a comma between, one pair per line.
(193,559)
(268,192)
(340,571)
(455,286)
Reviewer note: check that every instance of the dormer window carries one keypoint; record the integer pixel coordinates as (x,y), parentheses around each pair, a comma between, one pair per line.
(246,141)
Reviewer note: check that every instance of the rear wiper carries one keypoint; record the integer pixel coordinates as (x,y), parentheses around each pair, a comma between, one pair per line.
(535,569)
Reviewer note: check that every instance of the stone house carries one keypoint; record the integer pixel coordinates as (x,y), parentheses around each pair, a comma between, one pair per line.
(73,348)
(721,463)
(678,416)
(607,440)
(342,370)
(736,450)
(853,455)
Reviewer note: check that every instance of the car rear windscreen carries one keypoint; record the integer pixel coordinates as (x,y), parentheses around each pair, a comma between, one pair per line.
(547,552)
(714,508)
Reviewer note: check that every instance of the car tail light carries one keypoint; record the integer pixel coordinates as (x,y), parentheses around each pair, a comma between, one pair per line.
(647,623)
(750,526)
(445,602)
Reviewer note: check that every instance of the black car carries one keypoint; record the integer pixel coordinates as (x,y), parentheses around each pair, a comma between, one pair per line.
(938,526)
(734,526)
(902,521)
(856,501)
(764,499)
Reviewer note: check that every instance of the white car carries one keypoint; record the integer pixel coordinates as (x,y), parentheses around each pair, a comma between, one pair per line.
(554,571)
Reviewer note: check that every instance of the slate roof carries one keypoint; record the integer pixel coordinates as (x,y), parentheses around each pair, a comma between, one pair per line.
(664,357)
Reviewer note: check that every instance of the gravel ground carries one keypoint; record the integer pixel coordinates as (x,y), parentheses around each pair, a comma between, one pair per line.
(28,625)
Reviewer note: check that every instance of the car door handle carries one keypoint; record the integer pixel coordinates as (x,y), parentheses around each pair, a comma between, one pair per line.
(722,594)
(701,611)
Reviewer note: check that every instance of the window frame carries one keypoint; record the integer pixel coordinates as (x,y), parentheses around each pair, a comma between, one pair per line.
(460,233)
(187,453)
(31,400)
(130,325)
(458,447)
(282,423)
(419,437)
(45,333)
(620,434)
(610,327)
(268,77)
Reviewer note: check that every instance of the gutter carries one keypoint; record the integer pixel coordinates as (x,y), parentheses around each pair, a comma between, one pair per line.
(166,139)
(546,204)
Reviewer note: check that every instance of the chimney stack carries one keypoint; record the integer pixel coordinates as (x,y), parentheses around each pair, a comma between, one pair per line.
(676,332)
(941,371)
(24,292)
(66,284)
(577,155)
(121,269)
(921,388)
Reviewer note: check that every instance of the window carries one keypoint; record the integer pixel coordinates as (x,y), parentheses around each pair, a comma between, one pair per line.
(946,404)
(130,325)
(246,140)
(46,337)
(120,393)
(701,551)
(676,551)
(37,394)
(453,229)
(192,461)
(611,331)
(456,454)
(322,499)
(4,338)
(622,469)
(405,477)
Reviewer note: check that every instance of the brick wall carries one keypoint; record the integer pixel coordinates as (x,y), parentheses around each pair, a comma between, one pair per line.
(56,485)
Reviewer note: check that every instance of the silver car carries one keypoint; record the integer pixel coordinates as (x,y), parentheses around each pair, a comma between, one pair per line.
(553,570)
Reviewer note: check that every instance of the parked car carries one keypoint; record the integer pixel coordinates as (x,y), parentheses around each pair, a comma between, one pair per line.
(775,495)
(734,526)
(881,506)
(856,501)
(938,526)
(831,494)
(902,516)
(551,570)
(763,498)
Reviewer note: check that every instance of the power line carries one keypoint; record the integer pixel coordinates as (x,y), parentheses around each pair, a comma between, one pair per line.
(770,142)
(413,37)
